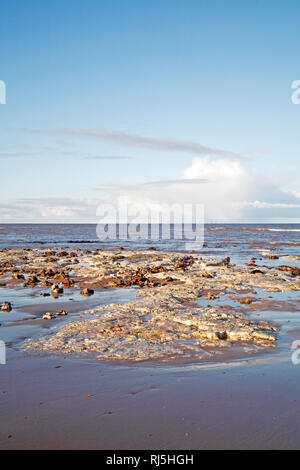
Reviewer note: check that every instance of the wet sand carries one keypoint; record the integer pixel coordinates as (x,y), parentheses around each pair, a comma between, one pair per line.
(58,403)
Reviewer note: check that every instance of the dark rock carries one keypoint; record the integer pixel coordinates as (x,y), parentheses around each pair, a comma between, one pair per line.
(222,335)
(57,290)
(6,307)
(87,292)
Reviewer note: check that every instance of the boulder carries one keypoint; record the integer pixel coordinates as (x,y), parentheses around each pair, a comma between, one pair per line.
(48,316)
(6,307)
(87,292)
(61,313)
(57,290)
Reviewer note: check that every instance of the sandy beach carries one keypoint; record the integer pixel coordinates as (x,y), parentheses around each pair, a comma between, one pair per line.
(165,350)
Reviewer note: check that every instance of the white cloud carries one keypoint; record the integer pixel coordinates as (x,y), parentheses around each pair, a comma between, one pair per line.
(214,169)
(228,191)
(63,210)
(296,194)
(267,205)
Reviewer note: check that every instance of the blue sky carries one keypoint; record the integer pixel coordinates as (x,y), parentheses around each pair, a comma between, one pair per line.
(107,98)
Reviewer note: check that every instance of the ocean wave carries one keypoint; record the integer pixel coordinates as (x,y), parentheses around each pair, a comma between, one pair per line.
(284,229)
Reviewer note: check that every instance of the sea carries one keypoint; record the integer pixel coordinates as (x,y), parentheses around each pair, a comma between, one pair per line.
(238,241)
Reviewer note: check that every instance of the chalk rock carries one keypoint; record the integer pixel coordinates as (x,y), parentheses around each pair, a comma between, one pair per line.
(61,313)
(57,290)
(48,316)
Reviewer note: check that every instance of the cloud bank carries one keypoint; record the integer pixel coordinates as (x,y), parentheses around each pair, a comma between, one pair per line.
(228,191)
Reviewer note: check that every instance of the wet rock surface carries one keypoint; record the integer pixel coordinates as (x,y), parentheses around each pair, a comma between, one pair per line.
(52,315)
(166,320)
(6,307)
(87,292)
